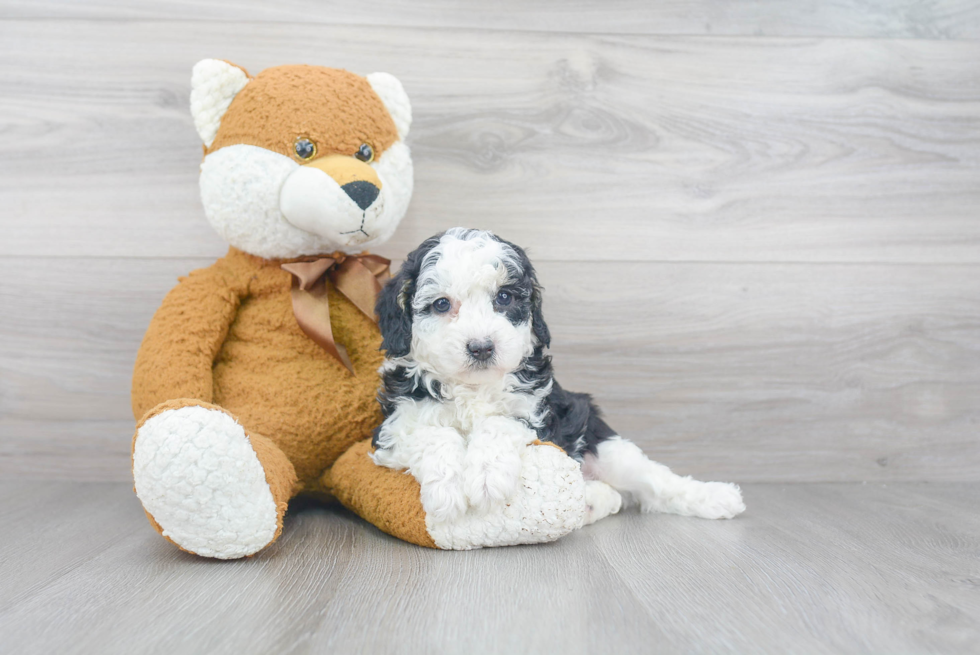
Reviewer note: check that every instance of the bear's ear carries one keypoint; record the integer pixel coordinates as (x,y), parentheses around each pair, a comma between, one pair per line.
(393,95)
(214,84)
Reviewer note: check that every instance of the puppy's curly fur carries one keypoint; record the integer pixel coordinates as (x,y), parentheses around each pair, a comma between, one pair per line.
(467,385)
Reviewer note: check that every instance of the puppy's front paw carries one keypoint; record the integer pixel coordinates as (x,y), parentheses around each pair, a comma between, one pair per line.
(718,500)
(491,478)
(443,498)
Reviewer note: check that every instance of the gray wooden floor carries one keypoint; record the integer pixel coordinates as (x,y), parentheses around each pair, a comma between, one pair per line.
(810,568)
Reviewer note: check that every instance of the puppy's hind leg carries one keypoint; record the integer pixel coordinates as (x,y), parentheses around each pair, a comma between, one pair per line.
(622,465)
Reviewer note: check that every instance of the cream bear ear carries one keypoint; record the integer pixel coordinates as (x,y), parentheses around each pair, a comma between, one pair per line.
(392,93)
(214,84)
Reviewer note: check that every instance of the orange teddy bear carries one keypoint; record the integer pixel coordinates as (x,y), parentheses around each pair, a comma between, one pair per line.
(257,378)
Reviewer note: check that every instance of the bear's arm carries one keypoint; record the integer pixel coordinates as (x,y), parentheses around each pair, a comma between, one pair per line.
(177,354)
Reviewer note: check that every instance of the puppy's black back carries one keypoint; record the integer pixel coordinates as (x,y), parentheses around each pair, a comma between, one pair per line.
(573,422)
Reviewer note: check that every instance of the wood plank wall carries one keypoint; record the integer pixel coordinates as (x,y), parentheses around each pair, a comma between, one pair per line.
(758,222)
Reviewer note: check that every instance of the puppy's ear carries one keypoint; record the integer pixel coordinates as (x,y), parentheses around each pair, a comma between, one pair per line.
(394,306)
(538,326)
(394,311)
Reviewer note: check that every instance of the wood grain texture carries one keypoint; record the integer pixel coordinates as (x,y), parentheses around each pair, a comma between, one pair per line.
(761,252)
(833,568)
(582,147)
(726,371)
(923,19)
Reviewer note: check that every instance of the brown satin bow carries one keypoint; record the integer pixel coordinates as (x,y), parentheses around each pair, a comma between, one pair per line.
(357,277)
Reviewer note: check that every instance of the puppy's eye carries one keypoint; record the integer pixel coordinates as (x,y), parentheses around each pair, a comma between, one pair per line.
(305,149)
(442,305)
(503,299)
(365,153)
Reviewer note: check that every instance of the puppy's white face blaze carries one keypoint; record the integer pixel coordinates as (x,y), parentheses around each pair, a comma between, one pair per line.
(477,339)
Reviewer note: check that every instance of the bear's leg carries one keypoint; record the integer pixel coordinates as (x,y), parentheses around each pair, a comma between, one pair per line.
(206,484)
(550,502)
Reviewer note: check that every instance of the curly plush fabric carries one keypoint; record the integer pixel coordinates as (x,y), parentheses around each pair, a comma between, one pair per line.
(227,335)
(220,491)
(390,90)
(214,84)
(552,503)
(387,498)
(275,107)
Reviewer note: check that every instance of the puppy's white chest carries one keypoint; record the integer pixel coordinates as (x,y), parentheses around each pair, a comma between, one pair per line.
(468,413)
(468,410)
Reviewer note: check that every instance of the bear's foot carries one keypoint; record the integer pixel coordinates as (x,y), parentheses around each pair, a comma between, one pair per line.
(550,503)
(202,481)
(601,501)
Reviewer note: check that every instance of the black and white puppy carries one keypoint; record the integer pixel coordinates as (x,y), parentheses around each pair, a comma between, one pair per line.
(467,385)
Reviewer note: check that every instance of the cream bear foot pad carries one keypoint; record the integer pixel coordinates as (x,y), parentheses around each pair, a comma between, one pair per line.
(550,504)
(198,476)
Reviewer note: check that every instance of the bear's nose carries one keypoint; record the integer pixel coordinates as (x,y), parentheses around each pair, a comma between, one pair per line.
(361,192)
(481,351)
(358,180)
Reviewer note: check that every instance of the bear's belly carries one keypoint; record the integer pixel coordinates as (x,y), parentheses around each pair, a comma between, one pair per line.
(282,385)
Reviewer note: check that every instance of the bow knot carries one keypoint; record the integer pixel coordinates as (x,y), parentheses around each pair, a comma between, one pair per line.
(357,277)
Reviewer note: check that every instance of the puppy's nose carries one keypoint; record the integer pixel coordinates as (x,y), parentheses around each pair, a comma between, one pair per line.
(363,193)
(481,351)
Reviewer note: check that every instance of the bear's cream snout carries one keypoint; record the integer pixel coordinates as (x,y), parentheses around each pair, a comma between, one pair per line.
(268,205)
(341,208)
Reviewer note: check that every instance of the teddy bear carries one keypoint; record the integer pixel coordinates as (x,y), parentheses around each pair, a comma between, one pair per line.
(257,378)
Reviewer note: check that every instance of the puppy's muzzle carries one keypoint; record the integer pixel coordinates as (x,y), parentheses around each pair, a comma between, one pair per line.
(480,350)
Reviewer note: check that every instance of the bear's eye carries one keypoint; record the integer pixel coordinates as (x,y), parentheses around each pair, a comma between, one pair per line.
(442,305)
(305,149)
(365,153)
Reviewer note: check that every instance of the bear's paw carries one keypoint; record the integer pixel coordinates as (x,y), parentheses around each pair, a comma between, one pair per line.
(200,480)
